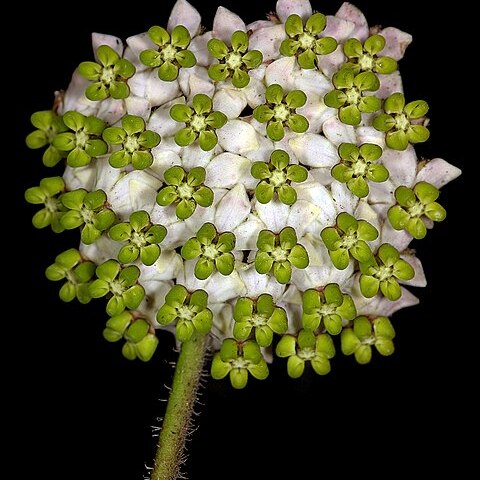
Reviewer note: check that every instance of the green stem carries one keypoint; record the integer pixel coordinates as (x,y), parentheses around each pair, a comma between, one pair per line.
(180,405)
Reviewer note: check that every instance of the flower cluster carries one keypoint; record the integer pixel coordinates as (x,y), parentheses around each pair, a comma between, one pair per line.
(256,183)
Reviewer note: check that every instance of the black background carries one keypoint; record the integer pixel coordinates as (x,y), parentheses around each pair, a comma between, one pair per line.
(84,411)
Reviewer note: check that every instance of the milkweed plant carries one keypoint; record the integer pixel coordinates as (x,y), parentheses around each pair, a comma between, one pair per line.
(253,189)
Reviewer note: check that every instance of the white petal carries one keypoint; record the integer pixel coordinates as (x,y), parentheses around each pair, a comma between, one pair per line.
(273,214)
(203,215)
(338,28)
(302,215)
(316,112)
(268,41)
(311,81)
(106,175)
(187,278)
(258,24)
(75,99)
(162,123)
(292,295)
(370,135)
(381,192)
(165,268)
(111,110)
(138,106)
(158,92)
(99,39)
(221,288)
(365,212)
(184,14)
(285,8)
(331,64)
(81,177)
(263,150)
(237,136)
(100,251)
(232,209)
(138,83)
(255,90)
(321,175)
(282,72)
(222,323)
(389,84)
(400,239)
(438,172)
(396,42)
(314,150)
(256,284)
(177,233)
(137,190)
(247,232)
(139,43)
(345,201)
(419,280)
(226,170)
(351,13)
(198,47)
(163,159)
(319,196)
(229,101)
(195,80)
(194,156)
(402,165)
(337,132)
(155,291)
(225,23)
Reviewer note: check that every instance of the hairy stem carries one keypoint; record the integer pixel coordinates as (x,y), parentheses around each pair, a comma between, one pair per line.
(178,417)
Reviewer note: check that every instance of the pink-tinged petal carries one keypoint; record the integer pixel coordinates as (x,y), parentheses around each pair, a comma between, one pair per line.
(75,99)
(138,84)
(103,249)
(370,135)
(351,13)
(229,101)
(268,41)
(273,214)
(316,112)
(438,172)
(419,280)
(162,123)
(138,106)
(158,92)
(184,14)
(257,284)
(396,42)
(302,216)
(255,90)
(227,170)
(311,81)
(314,150)
(389,84)
(400,239)
(99,39)
(162,160)
(247,232)
(226,23)
(136,44)
(232,209)
(337,132)
(199,48)
(195,80)
(401,165)
(258,24)
(81,177)
(136,190)
(282,72)
(238,137)
(285,8)
(111,110)
(331,64)
(338,28)
(345,201)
